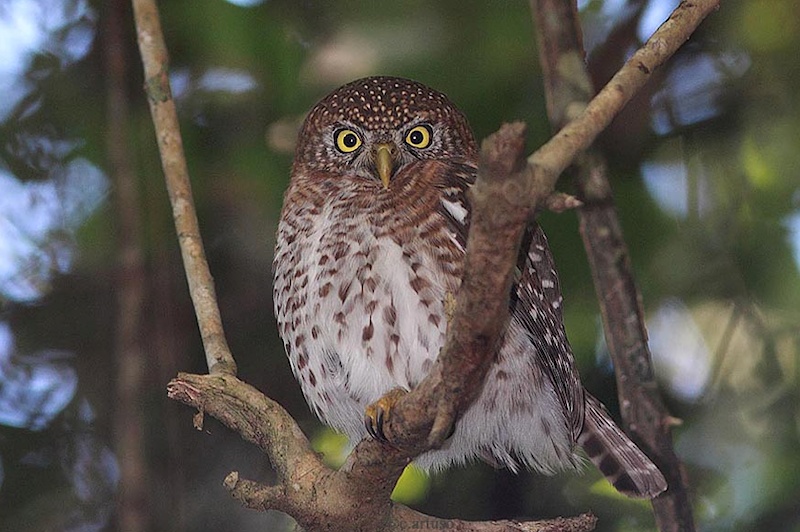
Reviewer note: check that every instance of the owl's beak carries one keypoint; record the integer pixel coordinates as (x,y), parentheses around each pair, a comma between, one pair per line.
(384,161)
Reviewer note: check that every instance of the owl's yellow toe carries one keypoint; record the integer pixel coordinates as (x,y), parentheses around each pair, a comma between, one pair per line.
(377,413)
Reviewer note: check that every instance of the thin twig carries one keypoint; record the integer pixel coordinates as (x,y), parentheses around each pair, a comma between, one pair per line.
(721,352)
(165,119)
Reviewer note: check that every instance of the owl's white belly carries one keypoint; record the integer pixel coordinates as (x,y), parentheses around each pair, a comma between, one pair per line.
(372,319)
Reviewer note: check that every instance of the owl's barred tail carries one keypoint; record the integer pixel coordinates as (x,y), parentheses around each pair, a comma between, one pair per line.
(616,456)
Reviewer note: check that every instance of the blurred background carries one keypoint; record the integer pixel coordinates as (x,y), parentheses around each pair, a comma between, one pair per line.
(94,312)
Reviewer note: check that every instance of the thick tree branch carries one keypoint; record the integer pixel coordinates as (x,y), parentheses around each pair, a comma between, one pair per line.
(644,415)
(354,498)
(568,84)
(482,301)
(165,119)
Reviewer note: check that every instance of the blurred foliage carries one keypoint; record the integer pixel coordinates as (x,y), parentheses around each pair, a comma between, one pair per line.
(705,172)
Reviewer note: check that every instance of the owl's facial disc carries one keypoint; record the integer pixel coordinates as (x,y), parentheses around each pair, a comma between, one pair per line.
(384,155)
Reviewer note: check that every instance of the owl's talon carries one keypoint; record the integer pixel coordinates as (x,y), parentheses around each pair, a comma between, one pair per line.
(378,412)
(373,421)
(379,424)
(450,432)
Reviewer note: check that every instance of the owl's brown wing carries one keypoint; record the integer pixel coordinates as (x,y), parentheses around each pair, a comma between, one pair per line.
(535,297)
(536,301)
(538,305)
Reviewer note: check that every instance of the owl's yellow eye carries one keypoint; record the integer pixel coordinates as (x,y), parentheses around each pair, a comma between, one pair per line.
(347,140)
(419,137)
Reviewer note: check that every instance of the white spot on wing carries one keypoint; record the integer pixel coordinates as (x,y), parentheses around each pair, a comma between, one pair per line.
(456,210)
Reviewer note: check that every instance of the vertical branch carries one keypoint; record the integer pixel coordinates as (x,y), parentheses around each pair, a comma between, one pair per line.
(129,354)
(165,119)
(645,416)
(647,420)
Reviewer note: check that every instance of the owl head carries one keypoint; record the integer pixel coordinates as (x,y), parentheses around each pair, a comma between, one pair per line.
(374,127)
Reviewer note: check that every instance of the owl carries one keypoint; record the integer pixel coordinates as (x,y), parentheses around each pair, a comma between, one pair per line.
(370,248)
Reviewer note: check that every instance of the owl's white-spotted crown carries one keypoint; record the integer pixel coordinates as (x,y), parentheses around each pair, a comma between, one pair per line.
(379,107)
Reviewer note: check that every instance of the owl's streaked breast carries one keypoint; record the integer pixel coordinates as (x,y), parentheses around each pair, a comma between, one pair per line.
(362,309)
